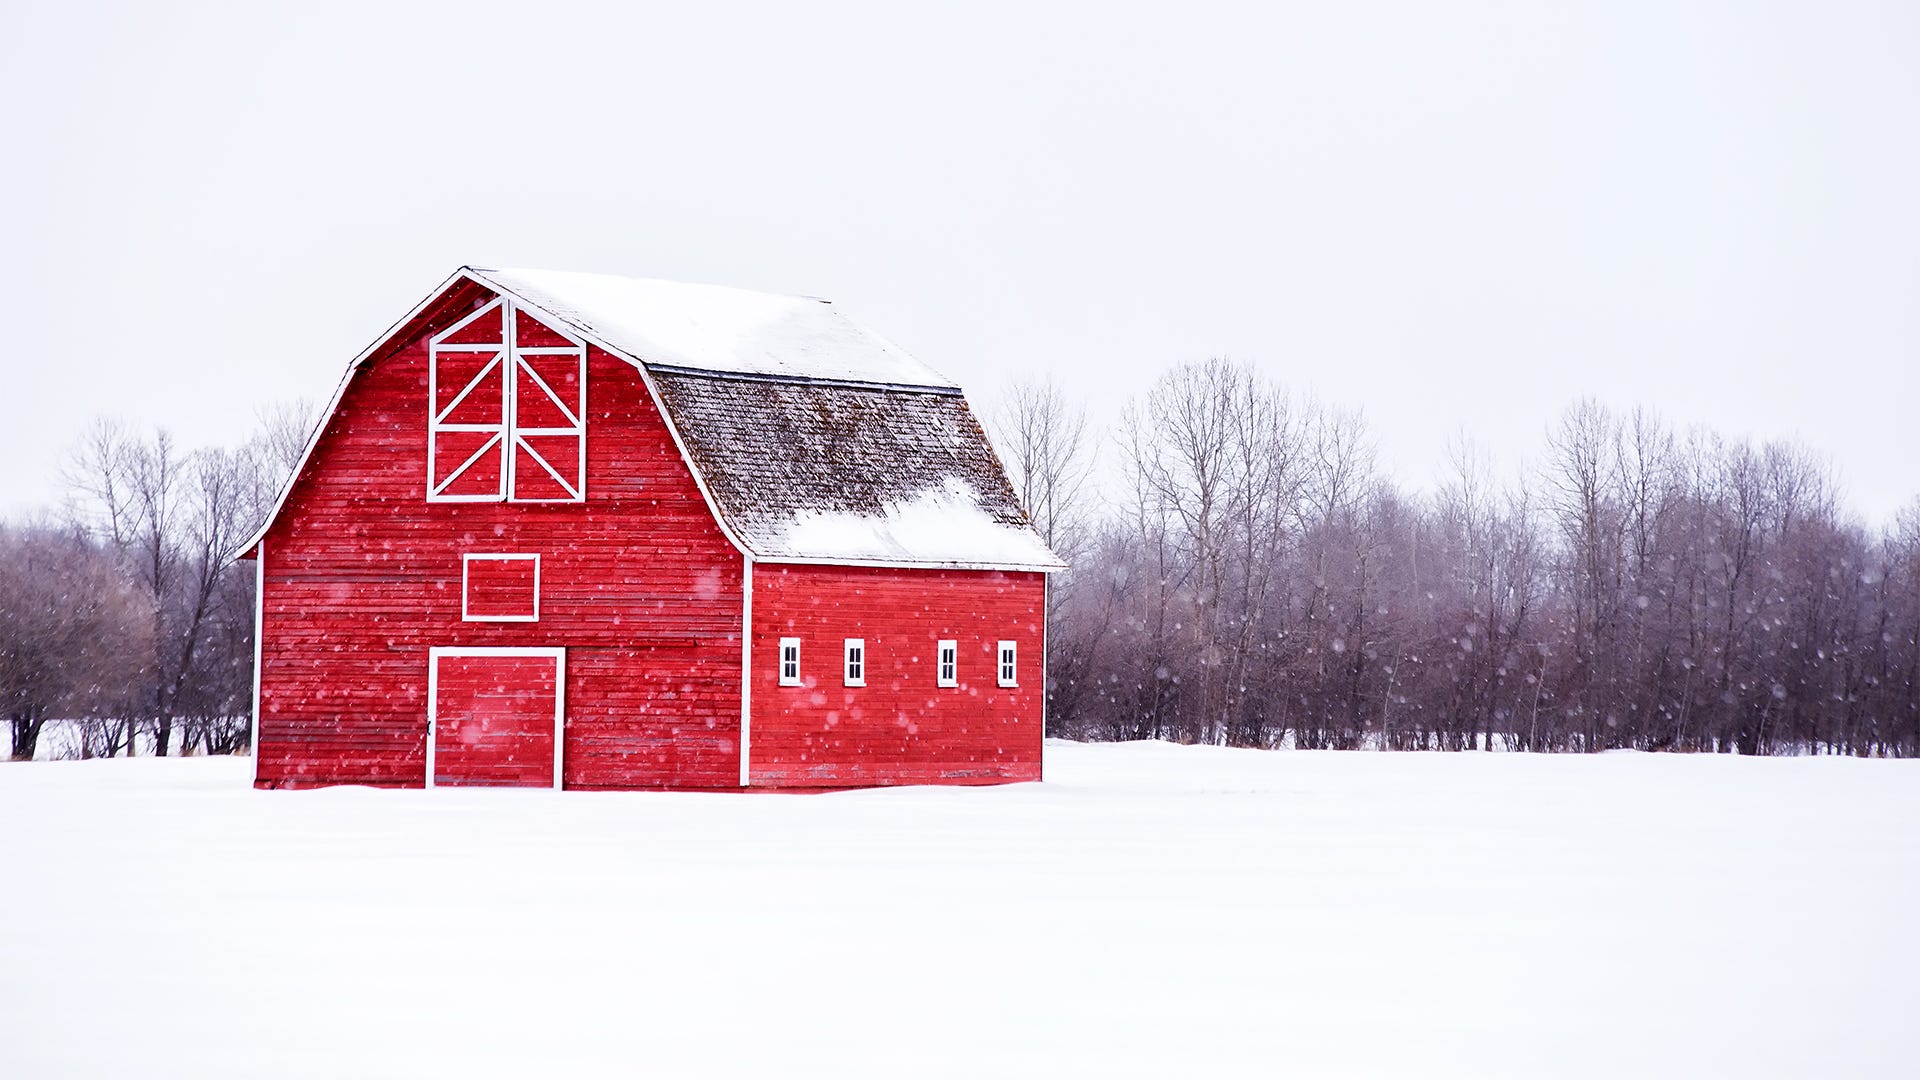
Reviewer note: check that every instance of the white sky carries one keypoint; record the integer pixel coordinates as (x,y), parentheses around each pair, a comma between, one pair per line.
(1455,216)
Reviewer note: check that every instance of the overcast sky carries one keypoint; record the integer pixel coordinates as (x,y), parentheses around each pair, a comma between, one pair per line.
(1455,216)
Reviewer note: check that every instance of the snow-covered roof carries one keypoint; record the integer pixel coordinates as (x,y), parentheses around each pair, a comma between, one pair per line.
(836,473)
(715,328)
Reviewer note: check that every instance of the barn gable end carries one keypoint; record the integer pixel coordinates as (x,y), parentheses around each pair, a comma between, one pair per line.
(525,540)
(362,576)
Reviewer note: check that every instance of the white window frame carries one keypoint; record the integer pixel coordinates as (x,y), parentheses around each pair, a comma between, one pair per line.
(466,563)
(785,644)
(575,414)
(1007,663)
(508,437)
(946,663)
(436,416)
(854,661)
(559,657)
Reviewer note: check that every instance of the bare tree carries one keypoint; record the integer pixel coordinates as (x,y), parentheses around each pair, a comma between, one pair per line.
(175,519)
(1584,496)
(1214,457)
(268,459)
(72,631)
(1042,439)
(1340,479)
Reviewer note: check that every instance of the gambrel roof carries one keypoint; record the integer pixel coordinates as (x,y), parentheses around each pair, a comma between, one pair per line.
(813,438)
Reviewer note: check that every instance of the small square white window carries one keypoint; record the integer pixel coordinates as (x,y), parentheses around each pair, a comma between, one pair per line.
(789,661)
(948,663)
(856,661)
(1009,665)
(500,587)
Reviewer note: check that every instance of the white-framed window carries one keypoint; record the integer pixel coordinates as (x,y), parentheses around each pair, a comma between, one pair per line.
(1009,664)
(856,661)
(789,661)
(947,663)
(500,587)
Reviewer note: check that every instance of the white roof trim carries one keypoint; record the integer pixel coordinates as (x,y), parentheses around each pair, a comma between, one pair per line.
(896,564)
(326,414)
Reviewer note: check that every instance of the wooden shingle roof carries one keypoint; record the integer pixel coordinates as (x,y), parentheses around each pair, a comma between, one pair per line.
(838,472)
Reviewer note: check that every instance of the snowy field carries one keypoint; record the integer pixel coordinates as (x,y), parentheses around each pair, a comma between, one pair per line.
(1149,911)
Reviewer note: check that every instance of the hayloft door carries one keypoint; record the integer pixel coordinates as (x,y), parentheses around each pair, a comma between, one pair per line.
(495,717)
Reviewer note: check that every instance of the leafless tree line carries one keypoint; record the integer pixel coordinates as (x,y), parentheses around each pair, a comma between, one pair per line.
(1259,583)
(124,613)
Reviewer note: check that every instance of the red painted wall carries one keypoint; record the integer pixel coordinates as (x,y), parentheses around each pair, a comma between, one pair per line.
(900,728)
(362,577)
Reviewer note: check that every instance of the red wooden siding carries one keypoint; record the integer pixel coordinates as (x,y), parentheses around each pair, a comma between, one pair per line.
(900,728)
(363,576)
(493,720)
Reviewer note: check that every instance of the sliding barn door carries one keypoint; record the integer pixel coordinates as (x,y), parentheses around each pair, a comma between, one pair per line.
(496,717)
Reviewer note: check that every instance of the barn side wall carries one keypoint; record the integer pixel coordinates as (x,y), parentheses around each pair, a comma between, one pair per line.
(901,727)
(362,577)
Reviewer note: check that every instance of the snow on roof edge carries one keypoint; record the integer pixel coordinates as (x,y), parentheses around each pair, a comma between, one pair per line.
(716,328)
(944,525)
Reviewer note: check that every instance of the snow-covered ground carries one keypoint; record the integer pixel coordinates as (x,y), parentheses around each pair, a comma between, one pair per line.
(1150,910)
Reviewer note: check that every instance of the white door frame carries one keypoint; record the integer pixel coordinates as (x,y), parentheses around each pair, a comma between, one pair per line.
(559,657)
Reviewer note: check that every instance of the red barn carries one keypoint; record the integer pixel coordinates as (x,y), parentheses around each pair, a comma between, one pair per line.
(583,531)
